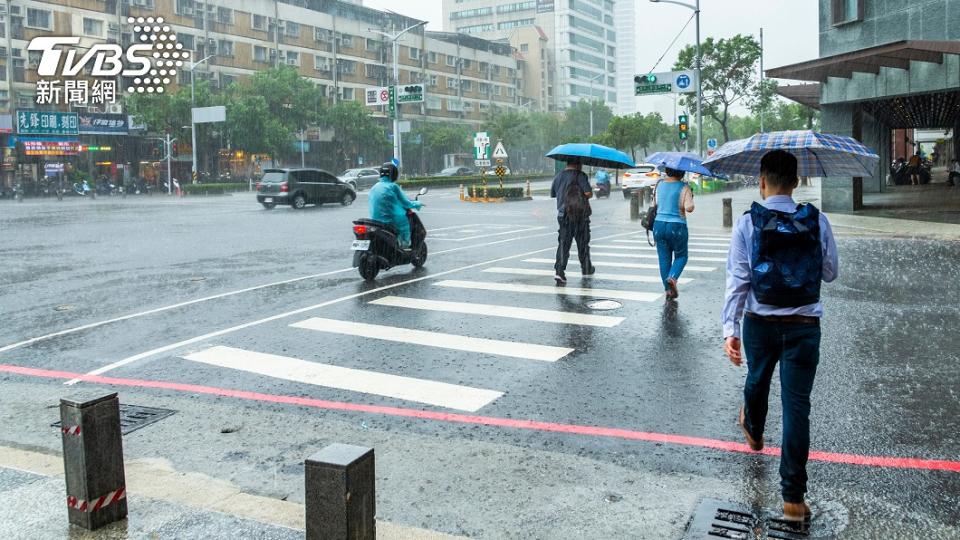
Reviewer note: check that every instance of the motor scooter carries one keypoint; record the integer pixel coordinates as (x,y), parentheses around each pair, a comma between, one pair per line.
(602,190)
(376,248)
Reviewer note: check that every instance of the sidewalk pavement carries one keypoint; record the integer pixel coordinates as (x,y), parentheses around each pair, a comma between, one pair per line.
(162,502)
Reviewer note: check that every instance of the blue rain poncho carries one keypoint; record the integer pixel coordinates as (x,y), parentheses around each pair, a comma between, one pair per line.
(389,204)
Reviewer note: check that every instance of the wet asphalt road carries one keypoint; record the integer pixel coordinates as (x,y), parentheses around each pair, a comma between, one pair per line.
(887,383)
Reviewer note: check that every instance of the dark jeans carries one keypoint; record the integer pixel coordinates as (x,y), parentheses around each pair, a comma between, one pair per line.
(797,349)
(671,241)
(568,232)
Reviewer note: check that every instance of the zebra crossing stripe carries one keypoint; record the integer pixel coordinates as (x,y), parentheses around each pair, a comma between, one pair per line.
(513,349)
(610,277)
(652,256)
(648,248)
(450,396)
(618,264)
(509,312)
(701,244)
(550,289)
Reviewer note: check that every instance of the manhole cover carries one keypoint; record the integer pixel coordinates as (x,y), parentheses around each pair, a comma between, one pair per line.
(134,417)
(718,519)
(604,305)
(64,307)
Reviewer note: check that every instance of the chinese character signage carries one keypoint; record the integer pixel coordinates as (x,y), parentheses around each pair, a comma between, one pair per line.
(50,148)
(32,122)
(103,124)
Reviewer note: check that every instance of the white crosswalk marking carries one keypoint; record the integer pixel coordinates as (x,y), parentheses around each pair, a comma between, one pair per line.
(618,264)
(541,315)
(545,289)
(484,235)
(451,396)
(652,256)
(648,248)
(703,244)
(611,277)
(694,236)
(512,349)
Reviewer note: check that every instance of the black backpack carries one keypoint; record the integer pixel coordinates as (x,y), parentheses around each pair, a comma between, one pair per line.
(787,259)
(576,207)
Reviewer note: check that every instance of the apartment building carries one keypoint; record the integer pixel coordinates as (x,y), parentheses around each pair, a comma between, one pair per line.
(329,42)
(589,43)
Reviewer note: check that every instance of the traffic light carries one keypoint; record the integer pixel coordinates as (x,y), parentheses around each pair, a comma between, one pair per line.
(649,78)
(683,126)
(413,89)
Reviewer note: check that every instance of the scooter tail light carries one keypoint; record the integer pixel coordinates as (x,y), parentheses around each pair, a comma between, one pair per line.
(360,230)
(284,187)
(258,186)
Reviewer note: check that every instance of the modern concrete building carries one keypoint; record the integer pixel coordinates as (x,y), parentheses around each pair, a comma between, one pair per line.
(883,66)
(589,43)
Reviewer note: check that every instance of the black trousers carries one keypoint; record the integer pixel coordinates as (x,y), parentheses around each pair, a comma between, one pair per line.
(568,232)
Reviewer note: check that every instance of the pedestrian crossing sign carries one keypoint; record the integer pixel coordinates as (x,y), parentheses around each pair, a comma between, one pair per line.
(500,152)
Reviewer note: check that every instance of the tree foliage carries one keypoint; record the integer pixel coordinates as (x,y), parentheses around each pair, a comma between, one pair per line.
(576,122)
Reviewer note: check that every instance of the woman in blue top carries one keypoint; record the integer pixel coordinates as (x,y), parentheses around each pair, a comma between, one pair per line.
(674,201)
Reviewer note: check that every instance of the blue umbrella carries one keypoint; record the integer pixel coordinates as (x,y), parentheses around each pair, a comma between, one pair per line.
(818,154)
(595,155)
(680,161)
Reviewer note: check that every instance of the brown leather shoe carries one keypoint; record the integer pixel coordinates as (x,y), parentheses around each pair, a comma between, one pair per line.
(796,511)
(755,445)
(673,292)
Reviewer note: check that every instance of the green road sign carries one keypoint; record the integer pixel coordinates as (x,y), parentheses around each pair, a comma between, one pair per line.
(33,122)
(644,89)
(392,106)
(411,93)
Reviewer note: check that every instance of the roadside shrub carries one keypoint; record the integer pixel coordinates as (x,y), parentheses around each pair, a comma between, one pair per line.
(213,189)
(494,192)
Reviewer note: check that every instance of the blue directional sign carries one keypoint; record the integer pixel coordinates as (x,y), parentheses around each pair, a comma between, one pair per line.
(683,81)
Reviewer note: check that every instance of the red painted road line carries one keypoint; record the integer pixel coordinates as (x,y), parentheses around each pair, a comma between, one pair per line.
(572,429)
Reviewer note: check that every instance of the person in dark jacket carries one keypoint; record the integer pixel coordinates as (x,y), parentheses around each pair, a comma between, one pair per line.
(571,188)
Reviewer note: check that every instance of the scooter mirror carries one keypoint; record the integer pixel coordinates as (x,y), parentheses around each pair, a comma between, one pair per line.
(424,190)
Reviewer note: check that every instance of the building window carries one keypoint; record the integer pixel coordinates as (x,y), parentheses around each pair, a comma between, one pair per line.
(92,27)
(586,43)
(451,60)
(293,58)
(847,11)
(524,47)
(432,57)
(291,29)
(451,82)
(260,54)
(372,71)
(476,28)
(470,13)
(348,94)
(373,44)
(346,41)
(514,24)
(321,63)
(18,68)
(39,18)
(414,53)
(224,15)
(465,64)
(583,7)
(586,26)
(433,103)
(259,22)
(467,106)
(225,48)
(187,40)
(518,6)
(466,85)
(346,67)
(184,7)
(584,58)
(433,81)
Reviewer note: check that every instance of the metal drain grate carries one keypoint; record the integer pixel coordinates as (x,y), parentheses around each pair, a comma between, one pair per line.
(718,519)
(134,417)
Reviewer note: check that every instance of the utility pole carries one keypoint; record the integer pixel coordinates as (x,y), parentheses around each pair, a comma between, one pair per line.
(696,11)
(169,167)
(762,90)
(303,159)
(397,147)
(193,125)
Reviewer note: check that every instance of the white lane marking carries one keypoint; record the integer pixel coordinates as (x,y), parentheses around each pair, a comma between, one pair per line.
(549,289)
(451,396)
(618,264)
(704,244)
(229,330)
(652,256)
(611,277)
(513,349)
(75,329)
(704,237)
(509,312)
(648,248)
(488,235)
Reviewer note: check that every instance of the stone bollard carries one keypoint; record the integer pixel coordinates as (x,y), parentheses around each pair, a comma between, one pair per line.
(340,494)
(635,206)
(93,460)
(643,196)
(727,212)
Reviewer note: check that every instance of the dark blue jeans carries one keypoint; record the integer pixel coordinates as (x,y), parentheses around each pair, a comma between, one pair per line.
(796,347)
(671,241)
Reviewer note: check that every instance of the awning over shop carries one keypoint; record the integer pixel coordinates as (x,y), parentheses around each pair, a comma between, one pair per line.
(898,54)
(805,94)
(936,110)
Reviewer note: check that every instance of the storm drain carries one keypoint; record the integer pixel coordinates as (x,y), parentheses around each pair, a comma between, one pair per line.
(718,519)
(134,417)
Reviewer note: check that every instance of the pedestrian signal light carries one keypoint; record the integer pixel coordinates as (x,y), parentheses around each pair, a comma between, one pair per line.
(683,126)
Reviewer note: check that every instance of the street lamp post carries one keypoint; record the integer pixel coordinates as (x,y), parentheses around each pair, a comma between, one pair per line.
(193,126)
(397,148)
(696,10)
(592,100)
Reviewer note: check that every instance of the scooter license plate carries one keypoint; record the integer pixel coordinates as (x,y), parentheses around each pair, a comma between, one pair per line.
(268,199)
(360,245)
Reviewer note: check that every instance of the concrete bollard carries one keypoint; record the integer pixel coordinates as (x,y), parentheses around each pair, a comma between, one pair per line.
(727,212)
(341,494)
(93,460)
(461,192)
(635,206)
(643,196)
(529,192)
(485,197)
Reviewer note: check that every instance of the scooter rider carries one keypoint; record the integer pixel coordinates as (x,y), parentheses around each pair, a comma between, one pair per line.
(603,181)
(389,204)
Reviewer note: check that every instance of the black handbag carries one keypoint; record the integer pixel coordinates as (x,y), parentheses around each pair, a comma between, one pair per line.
(646,221)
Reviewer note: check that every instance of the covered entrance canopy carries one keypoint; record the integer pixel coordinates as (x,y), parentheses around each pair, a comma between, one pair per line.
(898,55)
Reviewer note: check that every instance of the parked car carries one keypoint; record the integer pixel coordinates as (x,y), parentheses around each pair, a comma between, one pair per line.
(360,178)
(456,171)
(300,187)
(641,176)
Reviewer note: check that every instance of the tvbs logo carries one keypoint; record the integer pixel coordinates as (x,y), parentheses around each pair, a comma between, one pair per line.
(151,61)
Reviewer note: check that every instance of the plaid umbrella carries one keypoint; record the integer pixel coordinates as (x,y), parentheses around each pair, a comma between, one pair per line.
(818,154)
(680,161)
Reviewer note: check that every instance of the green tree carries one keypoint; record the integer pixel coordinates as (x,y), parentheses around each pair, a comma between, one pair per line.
(576,123)
(635,131)
(729,76)
(356,133)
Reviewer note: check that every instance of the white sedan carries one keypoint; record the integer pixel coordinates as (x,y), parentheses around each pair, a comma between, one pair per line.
(641,176)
